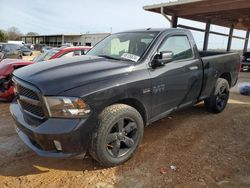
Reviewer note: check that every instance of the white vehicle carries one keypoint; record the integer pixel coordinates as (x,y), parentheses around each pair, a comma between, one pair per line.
(16,42)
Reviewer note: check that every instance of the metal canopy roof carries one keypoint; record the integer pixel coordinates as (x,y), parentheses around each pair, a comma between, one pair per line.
(227,13)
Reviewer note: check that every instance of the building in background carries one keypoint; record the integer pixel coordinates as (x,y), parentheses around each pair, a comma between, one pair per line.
(59,39)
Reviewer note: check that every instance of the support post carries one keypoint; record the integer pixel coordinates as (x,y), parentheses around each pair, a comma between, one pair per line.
(174,21)
(206,37)
(230,37)
(62,39)
(246,40)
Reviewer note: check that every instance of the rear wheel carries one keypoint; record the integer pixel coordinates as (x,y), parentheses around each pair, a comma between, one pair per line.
(217,102)
(117,136)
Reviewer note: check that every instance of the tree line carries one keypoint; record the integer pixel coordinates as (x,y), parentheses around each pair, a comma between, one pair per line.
(13,33)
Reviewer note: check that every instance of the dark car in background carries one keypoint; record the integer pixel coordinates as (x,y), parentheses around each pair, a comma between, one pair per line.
(10,51)
(245,62)
(1,44)
(26,51)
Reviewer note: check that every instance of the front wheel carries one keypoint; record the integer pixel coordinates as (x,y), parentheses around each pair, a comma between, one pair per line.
(217,102)
(117,135)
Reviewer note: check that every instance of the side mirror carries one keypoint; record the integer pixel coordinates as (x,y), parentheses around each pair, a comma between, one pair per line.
(162,58)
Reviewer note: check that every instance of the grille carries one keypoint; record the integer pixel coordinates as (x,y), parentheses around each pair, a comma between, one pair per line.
(37,110)
(27,92)
(30,101)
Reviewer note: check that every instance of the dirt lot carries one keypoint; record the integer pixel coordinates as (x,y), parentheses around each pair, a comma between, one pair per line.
(34,54)
(190,148)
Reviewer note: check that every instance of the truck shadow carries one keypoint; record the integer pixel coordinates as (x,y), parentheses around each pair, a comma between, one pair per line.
(165,129)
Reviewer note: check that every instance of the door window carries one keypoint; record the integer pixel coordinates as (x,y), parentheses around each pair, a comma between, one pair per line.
(77,53)
(72,53)
(69,54)
(179,45)
(6,48)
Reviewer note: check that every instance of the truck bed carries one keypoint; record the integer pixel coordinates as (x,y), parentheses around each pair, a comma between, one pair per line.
(215,64)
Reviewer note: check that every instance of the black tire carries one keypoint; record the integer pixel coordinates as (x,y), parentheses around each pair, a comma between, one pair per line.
(217,102)
(110,135)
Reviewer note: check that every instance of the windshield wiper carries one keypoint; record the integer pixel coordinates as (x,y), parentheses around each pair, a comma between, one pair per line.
(125,59)
(118,59)
(109,57)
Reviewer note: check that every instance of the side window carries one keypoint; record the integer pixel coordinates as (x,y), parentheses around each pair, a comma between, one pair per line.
(15,47)
(72,54)
(77,53)
(69,54)
(12,48)
(179,45)
(6,48)
(83,52)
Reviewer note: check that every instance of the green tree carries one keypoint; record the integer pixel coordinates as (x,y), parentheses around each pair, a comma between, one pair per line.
(31,33)
(2,36)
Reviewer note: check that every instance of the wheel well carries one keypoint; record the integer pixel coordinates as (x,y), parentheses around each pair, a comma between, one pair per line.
(227,76)
(137,105)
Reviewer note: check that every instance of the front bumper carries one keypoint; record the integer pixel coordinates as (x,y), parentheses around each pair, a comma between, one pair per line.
(7,95)
(73,135)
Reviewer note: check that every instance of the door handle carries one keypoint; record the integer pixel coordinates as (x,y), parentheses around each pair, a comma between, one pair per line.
(193,68)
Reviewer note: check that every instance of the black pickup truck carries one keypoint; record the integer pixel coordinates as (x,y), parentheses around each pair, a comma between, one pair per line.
(101,102)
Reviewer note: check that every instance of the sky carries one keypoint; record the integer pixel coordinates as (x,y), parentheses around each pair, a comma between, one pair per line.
(93,16)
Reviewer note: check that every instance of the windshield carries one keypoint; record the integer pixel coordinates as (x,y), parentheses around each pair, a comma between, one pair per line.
(46,55)
(124,46)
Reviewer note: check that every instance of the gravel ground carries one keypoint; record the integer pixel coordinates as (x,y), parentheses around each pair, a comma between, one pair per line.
(34,54)
(190,148)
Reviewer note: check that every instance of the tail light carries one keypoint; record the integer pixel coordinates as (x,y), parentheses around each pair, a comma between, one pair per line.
(242,58)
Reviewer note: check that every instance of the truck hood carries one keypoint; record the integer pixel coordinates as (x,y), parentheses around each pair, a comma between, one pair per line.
(58,75)
(7,66)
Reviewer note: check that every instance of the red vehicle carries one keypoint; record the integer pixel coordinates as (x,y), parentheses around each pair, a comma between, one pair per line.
(7,66)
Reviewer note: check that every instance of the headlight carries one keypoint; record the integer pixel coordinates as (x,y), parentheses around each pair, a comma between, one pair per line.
(66,107)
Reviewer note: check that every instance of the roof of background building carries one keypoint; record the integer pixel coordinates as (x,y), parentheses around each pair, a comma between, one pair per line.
(219,12)
(65,34)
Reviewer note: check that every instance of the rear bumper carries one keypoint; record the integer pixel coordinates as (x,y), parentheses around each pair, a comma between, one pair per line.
(27,53)
(73,135)
(245,64)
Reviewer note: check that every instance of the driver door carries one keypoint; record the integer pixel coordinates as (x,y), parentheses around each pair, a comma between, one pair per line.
(178,82)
